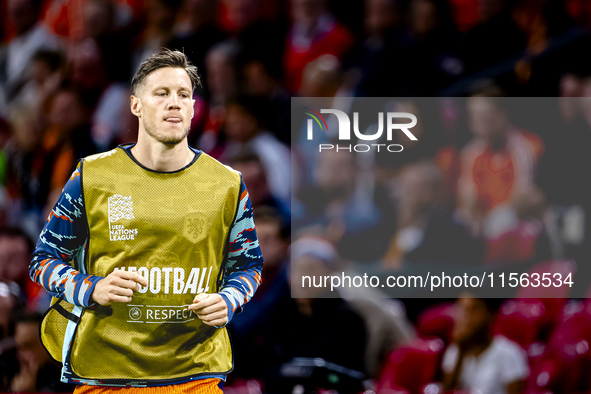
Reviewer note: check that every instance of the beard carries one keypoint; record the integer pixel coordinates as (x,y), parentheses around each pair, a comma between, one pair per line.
(169,138)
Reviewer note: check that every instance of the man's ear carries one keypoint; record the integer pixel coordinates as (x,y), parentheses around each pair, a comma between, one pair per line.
(192,108)
(136,106)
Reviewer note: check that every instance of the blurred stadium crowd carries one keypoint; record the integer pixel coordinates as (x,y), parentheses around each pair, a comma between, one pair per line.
(484,184)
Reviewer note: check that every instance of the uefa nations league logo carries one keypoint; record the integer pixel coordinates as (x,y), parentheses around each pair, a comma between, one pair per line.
(120,207)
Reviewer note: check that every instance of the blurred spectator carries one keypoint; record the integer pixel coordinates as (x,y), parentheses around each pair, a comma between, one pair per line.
(569,200)
(314,32)
(381,19)
(310,326)
(248,327)
(429,49)
(244,128)
(25,186)
(5,132)
(322,77)
(540,21)
(10,305)
(526,240)
(66,139)
(37,372)
(430,141)
(221,82)
(385,320)
(495,25)
(465,13)
(221,78)
(499,161)
(105,22)
(75,19)
(107,100)
(30,36)
(273,235)
(383,28)
(15,251)
(426,230)
(196,32)
(160,17)
(336,198)
(262,76)
(255,178)
(477,361)
(236,15)
(47,72)
(386,324)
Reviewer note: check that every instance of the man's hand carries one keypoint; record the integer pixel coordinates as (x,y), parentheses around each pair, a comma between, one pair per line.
(118,286)
(210,308)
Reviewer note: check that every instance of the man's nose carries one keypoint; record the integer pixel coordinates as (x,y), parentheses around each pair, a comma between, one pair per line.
(174,102)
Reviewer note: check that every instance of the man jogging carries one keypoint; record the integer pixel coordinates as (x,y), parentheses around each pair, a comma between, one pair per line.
(149,252)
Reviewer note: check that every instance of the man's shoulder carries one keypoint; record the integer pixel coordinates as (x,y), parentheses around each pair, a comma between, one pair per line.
(217,165)
(103,155)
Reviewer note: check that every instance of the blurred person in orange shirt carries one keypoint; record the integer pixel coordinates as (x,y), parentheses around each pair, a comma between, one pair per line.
(499,160)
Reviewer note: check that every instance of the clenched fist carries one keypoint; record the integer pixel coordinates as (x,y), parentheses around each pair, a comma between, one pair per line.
(118,286)
(210,308)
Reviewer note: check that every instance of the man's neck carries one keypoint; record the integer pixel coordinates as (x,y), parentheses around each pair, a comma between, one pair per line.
(163,157)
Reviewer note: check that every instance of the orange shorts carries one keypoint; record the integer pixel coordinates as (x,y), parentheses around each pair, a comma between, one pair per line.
(201,386)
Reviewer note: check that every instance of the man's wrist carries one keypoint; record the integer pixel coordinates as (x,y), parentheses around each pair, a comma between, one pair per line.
(229,309)
(89,301)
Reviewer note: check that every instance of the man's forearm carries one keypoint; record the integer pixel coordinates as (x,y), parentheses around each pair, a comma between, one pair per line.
(61,280)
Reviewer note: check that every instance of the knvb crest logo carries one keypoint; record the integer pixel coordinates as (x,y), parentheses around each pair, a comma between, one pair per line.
(344,132)
(120,207)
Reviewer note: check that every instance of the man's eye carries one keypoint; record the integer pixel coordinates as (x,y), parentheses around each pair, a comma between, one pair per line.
(161,94)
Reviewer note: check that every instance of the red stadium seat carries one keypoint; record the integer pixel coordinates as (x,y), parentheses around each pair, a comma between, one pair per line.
(437,320)
(411,366)
(514,245)
(565,365)
(394,390)
(520,320)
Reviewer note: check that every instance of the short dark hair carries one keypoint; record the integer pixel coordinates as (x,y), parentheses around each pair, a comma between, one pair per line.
(244,156)
(268,214)
(166,58)
(29,317)
(14,232)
